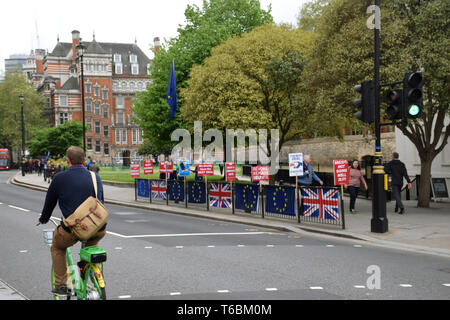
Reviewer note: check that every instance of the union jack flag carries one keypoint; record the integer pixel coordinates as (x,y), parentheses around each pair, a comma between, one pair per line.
(159,190)
(220,195)
(321,203)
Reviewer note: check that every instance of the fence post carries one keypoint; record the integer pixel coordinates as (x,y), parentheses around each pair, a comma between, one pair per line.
(342,206)
(207,193)
(262,198)
(150,189)
(232,198)
(298,204)
(135,189)
(185,193)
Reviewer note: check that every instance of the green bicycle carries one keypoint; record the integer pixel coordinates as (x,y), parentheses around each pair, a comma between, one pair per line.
(84,279)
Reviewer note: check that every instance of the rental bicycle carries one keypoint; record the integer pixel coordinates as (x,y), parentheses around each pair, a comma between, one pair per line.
(84,279)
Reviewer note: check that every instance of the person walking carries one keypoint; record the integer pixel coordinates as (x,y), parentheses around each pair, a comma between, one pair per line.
(308,173)
(397,170)
(69,188)
(355,179)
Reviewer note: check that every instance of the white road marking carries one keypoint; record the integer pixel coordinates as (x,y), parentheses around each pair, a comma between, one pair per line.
(330,246)
(179,247)
(18,208)
(299,246)
(240,246)
(223,291)
(125,297)
(357,246)
(270,246)
(446,284)
(175,293)
(360,287)
(211,246)
(23,251)
(118,248)
(148,247)
(271,289)
(316,288)
(406,285)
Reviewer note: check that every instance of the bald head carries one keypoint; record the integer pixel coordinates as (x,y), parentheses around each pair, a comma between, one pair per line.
(307,159)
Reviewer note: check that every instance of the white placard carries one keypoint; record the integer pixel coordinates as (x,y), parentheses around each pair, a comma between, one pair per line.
(295,164)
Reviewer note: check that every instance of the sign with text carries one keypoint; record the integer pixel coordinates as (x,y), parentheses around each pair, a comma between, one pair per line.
(148,166)
(165,167)
(341,172)
(295,164)
(135,170)
(205,169)
(184,169)
(260,173)
(230,171)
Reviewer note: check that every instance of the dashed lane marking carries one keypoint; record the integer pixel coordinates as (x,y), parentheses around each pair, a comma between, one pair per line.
(406,285)
(357,246)
(18,208)
(223,291)
(330,245)
(175,293)
(270,246)
(271,289)
(359,287)
(179,247)
(446,284)
(23,251)
(316,288)
(148,247)
(125,297)
(299,246)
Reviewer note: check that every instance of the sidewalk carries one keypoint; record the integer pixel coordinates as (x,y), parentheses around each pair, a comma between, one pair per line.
(425,230)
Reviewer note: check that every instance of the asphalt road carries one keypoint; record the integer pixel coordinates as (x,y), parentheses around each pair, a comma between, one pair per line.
(155,255)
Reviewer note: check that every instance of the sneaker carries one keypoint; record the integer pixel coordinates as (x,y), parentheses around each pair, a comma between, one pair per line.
(61,290)
(402,211)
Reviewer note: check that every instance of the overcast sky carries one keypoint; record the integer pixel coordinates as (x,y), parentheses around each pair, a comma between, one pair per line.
(32,24)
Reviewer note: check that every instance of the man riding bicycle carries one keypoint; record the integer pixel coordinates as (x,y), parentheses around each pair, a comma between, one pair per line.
(69,188)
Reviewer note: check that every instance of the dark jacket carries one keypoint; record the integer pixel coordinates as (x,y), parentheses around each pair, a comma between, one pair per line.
(397,170)
(70,188)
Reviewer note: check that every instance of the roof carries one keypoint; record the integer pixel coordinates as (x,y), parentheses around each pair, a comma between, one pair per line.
(71,84)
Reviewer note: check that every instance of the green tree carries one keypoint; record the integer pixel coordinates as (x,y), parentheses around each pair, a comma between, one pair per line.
(414,37)
(10,110)
(205,28)
(251,81)
(56,140)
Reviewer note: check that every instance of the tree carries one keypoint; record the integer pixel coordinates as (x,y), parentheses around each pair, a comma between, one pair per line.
(414,37)
(56,140)
(251,81)
(205,28)
(10,110)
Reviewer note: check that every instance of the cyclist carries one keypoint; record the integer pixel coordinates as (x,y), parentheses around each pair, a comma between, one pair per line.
(69,188)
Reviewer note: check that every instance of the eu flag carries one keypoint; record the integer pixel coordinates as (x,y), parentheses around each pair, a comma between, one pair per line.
(280,200)
(247,197)
(196,192)
(176,190)
(143,188)
(172,92)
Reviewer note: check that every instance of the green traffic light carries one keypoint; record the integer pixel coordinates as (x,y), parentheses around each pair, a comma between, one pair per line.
(414,110)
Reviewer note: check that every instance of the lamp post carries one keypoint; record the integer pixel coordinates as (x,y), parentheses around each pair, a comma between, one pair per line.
(21,97)
(80,51)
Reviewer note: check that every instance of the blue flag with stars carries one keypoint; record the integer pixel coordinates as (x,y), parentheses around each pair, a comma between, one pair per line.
(172,92)
(247,197)
(280,200)
(176,191)
(196,192)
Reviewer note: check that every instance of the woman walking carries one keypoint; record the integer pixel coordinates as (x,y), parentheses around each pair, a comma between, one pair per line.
(355,180)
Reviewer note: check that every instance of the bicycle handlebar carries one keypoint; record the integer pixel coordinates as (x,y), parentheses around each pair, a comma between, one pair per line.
(51,221)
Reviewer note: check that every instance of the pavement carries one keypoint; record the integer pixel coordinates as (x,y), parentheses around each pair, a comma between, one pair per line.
(420,230)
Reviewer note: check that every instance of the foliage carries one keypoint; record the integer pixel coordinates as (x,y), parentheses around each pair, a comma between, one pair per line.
(10,110)
(205,28)
(56,140)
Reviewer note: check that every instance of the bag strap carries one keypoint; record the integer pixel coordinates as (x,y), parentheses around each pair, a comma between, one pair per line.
(94,182)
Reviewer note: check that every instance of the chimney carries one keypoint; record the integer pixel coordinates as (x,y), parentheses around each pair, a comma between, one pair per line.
(157,44)
(75,41)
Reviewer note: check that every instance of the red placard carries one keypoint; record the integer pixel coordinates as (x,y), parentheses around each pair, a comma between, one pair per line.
(341,172)
(230,171)
(205,169)
(135,170)
(260,173)
(148,166)
(165,167)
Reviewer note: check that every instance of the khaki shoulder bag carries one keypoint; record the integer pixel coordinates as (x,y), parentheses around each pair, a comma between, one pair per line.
(89,217)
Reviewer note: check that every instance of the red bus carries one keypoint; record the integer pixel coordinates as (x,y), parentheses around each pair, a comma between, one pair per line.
(4,159)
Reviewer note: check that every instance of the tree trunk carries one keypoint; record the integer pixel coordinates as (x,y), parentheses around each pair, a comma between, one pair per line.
(425,185)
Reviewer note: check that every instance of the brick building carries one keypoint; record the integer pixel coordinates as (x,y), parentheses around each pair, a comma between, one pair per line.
(113,73)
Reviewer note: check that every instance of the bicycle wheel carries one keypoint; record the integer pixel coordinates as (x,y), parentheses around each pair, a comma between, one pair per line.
(93,284)
(55,296)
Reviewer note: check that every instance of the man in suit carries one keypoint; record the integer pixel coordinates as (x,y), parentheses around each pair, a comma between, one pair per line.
(398,171)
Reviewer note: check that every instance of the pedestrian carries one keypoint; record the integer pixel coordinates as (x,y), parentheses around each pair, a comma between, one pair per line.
(308,173)
(397,170)
(94,167)
(70,189)
(355,179)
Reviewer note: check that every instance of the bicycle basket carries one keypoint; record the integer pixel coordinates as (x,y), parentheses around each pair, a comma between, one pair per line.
(48,236)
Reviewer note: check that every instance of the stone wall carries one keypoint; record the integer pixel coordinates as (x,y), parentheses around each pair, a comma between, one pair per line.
(324,150)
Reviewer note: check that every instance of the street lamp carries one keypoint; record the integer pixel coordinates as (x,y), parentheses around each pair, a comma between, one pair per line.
(80,51)
(21,97)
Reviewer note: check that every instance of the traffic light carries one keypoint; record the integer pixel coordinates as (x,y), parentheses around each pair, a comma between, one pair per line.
(366,102)
(412,95)
(395,101)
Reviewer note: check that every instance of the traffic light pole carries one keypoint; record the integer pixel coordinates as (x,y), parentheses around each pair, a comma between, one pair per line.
(379,222)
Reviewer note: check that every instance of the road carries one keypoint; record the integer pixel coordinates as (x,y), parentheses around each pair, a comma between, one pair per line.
(155,255)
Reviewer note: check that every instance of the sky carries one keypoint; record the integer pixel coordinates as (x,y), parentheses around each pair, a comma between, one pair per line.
(31,24)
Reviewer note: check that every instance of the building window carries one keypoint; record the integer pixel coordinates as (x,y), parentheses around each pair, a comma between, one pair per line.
(115,86)
(96,91)
(97,127)
(118,135)
(132,86)
(148,70)
(141,135)
(97,145)
(106,148)
(63,101)
(139,86)
(97,108)
(63,117)
(89,124)
(133,58)
(134,68)
(105,131)
(87,86)
(124,136)
(105,111)
(88,105)
(105,95)
(133,136)
(120,118)
(118,68)
(117,58)
(89,144)
(119,102)
(124,86)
